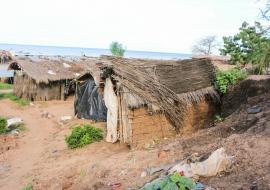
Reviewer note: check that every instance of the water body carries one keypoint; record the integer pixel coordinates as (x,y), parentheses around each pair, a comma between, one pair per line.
(93,52)
(4,72)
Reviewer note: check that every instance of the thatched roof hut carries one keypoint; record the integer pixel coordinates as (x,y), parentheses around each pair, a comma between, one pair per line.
(46,78)
(147,99)
(5,57)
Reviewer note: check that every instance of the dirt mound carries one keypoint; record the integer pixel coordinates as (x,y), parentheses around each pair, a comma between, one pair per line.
(240,94)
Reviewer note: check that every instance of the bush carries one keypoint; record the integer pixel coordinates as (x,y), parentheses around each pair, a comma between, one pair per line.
(83,135)
(3,124)
(226,78)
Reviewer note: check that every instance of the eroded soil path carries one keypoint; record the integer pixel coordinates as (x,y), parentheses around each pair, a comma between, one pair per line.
(39,155)
(30,146)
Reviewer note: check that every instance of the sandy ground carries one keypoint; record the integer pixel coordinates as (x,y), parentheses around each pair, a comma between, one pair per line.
(41,157)
(6,91)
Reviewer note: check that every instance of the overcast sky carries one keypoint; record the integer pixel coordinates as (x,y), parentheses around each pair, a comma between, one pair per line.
(151,25)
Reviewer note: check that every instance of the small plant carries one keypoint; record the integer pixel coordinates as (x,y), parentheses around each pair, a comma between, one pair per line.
(83,135)
(117,49)
(5,86)
(83,173)
(226,78)
(29,186)
(3,124)
(10,96)
(218,118)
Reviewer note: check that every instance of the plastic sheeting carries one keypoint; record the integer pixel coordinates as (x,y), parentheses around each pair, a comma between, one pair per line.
(89,104)
(217,162)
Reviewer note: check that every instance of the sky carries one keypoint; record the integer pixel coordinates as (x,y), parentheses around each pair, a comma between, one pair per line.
(147,25)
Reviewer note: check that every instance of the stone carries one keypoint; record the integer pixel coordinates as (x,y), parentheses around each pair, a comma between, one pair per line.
(162,154)
(15,132)
(254,110)
(14,122)
(66,185)
(143,174)
(65,118)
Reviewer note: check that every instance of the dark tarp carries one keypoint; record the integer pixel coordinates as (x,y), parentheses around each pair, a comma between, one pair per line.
(89,103)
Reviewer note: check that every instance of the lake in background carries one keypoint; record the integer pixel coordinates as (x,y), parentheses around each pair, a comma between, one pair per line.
(93,52)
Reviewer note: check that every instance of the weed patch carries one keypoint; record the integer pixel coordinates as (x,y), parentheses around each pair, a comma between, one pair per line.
(3,124)
(226,78)
(83,135)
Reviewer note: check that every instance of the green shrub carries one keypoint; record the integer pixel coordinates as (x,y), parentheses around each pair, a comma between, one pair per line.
(226,78)
(10,96)
(117,49)
(3,124)
(83,135)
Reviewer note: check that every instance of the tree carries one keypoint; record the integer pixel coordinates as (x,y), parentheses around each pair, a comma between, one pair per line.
(117,49)
(205,46)
(266,11)
(250,45)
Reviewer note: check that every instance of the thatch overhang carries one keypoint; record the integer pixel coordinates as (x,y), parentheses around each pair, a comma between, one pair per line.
(92,69)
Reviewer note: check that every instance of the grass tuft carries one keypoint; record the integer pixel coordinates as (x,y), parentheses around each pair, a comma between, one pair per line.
(3,124)
(14,98)
(29,186)
(5,86)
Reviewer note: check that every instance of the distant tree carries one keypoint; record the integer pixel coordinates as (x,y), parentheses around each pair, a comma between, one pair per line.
(205,46)
(266,11)
(250,45)
(117,49)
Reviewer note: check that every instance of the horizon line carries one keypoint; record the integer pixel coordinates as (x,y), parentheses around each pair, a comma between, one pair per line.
(91,48)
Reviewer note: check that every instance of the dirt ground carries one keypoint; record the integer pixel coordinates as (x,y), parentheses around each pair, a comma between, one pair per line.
(40,156)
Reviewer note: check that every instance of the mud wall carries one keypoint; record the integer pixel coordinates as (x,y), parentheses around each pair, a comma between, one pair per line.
(25,87)
(237,95)
(146,129)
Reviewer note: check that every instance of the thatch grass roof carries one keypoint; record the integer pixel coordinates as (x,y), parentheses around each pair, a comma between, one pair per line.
(5,57)
(213,57)
(46,70)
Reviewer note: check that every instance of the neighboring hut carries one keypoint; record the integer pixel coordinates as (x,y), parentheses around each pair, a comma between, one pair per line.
(5,59)
(149,100)
(45,78)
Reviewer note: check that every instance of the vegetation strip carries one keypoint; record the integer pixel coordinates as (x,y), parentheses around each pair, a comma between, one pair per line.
(14,98)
